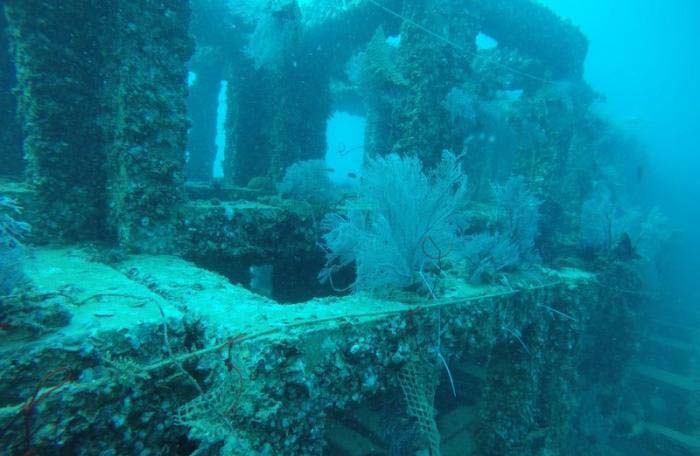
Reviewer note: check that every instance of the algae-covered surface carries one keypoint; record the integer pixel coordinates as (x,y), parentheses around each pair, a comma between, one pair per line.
(144,323)
(105,297)
(331,228)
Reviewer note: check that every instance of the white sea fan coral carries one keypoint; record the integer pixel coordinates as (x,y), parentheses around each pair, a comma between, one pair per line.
(404,222)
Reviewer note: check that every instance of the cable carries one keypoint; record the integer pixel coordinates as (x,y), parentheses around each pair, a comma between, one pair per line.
(455,45)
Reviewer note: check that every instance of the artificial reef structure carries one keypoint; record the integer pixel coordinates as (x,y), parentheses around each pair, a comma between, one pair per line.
(166,310)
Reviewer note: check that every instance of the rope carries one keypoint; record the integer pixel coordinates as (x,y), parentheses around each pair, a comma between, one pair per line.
(460,48)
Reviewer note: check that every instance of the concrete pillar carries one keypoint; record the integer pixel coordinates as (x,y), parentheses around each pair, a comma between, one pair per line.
(148,94)
(279,100)
(12,163)
(101,96)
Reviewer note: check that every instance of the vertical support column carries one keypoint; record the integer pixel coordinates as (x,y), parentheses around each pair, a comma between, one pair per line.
(102,90)
(57,47)
(279,100)
(248,124)
(432,67)
(12,163)
(149,90)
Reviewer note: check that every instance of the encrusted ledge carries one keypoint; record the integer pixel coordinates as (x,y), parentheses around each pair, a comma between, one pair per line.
(150,350)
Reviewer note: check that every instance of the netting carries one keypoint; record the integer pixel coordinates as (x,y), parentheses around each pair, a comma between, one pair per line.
(210,414)
(418,382)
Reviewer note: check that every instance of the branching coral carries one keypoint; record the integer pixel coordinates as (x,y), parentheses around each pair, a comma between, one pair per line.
(405,221)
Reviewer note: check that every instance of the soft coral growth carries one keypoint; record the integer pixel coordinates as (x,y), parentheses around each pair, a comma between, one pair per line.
(11,233)
(404,221)
(11,230)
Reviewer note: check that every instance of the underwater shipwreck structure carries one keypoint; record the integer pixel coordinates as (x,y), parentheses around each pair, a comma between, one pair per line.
(154,308)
